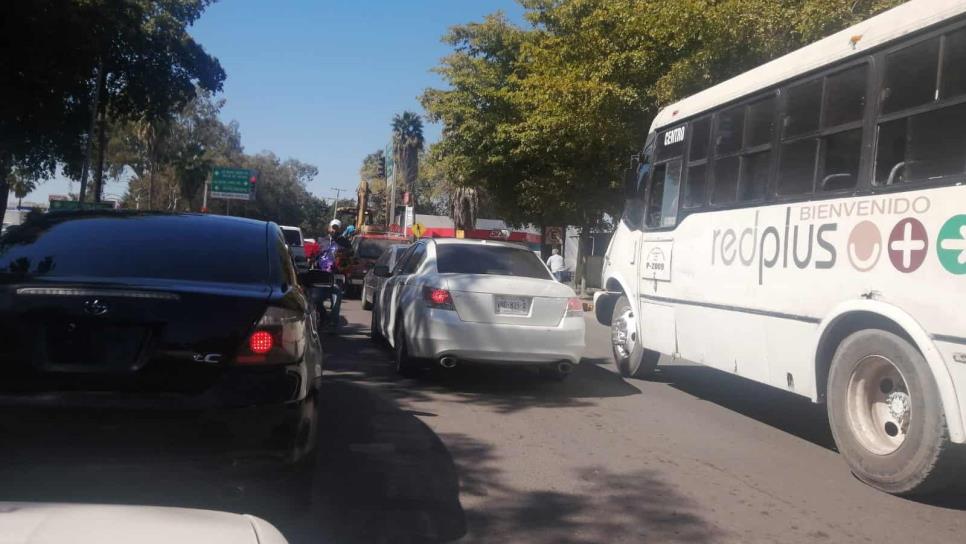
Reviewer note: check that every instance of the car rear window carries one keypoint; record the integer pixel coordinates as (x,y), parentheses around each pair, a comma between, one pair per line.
(373,249)
(185,248)
(487,259)
(292,237)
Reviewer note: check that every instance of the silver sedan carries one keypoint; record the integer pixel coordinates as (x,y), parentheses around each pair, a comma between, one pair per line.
(455,301)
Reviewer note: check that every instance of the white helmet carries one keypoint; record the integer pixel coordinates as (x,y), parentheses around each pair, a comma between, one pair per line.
(335,223)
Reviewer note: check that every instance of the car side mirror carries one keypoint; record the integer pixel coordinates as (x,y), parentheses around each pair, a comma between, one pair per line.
(315,278)
(630,178)
(381,271)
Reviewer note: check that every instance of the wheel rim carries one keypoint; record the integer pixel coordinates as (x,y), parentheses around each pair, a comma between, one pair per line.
(879,405)
(623,334)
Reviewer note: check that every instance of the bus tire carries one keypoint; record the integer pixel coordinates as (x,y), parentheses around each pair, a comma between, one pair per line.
(886,417)
(632,360)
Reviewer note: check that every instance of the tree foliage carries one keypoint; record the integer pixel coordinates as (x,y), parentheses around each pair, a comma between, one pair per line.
(408,141)
(50,53)
(543,118)
(373,173)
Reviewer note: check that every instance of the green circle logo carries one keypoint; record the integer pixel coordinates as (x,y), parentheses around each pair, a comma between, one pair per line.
(951,245)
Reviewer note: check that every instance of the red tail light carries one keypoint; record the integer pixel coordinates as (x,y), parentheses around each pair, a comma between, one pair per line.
(574,307)
(261,342)
(279,338)
(438,298)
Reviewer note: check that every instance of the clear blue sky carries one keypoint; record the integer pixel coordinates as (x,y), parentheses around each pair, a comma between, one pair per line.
(319,81)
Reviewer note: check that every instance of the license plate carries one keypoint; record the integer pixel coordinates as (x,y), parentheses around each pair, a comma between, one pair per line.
(509,305)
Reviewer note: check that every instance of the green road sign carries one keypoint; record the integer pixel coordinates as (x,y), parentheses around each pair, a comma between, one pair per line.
(58,205)
(951,245)
(233,183)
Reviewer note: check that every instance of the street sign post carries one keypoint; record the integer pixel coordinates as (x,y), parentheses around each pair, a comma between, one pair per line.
(553,236)
(418,230)
(410,218)
(233,183)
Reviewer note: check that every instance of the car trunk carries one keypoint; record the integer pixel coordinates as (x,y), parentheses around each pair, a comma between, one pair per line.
(95,336)
(511,300)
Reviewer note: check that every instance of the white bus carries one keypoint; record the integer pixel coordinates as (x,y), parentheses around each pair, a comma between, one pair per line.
(804,225)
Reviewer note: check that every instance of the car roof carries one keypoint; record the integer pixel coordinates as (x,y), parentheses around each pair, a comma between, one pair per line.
(476,242)
(284,227)
(201,219)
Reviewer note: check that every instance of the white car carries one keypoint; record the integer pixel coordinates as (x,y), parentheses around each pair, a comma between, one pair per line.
(36,523)
(453,301)
(296,245)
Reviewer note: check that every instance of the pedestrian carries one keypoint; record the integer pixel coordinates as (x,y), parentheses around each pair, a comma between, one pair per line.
(556,265)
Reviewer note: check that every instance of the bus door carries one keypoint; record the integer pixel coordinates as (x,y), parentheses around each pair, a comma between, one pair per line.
(656,258)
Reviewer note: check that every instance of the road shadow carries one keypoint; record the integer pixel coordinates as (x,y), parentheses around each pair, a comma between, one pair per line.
(604,506)
(782,410)
(381,474)
(507,389)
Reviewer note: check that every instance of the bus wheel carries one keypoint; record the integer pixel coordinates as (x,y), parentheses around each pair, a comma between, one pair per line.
(631,358)
(885,414)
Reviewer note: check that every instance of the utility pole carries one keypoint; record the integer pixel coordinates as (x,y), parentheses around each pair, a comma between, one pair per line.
(335,205)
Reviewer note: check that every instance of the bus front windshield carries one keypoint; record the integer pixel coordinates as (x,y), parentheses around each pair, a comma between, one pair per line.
(634,206)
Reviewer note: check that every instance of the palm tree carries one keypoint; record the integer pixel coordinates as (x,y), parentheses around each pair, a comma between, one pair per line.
(465,205)
(408,141)
(20,187)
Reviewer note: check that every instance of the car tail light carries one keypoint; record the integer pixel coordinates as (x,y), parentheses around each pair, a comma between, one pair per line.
(441,299)
(575,308)
(278,338)
(261,342)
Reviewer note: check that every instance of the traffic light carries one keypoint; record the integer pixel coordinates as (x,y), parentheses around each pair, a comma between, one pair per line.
(252,181)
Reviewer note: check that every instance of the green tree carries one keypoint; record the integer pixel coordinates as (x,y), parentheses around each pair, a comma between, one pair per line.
(543,118)
(170,158)
(373,172)
(408,142)
(54,52)
(20,186)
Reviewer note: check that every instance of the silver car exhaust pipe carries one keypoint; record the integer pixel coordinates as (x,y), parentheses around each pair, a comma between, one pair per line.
(447,362)
(565,367)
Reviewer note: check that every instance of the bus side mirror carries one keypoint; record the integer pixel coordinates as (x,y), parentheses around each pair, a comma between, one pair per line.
(630,178)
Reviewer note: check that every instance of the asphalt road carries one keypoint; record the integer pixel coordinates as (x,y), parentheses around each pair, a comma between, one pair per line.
(498,455)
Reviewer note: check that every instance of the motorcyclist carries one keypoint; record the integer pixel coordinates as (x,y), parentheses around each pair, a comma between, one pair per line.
(334,259)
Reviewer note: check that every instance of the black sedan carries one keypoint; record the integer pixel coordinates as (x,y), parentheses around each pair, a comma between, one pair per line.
(161,311)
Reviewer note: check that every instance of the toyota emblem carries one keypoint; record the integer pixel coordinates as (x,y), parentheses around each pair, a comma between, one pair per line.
(96,307)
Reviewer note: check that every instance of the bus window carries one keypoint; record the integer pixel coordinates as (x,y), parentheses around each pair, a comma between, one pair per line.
(796,172)
(730,123)
(754,176)
(922,146)
(760,123)
(700,133)
(954,58)
(802,109)
(634,203)
(725,181)
(823,156)
(662,208)
(910,76)
(844,97)
(694,188)
(841,168)
(693,191)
